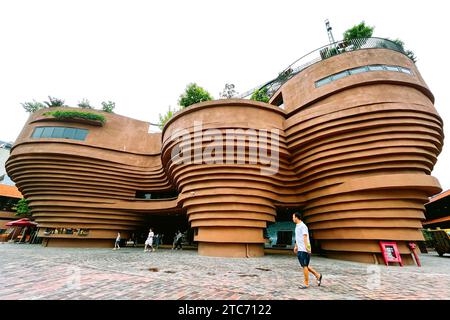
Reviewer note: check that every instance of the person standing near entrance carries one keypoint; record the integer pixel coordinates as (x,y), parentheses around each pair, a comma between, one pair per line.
(117,243)
(303,250)
(149,241)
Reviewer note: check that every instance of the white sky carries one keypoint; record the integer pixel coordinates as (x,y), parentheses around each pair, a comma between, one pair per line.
(142,54)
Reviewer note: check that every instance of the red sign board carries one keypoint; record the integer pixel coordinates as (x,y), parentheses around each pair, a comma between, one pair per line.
(390,252)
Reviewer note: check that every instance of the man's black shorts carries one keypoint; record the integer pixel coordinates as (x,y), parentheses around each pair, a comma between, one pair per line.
(303,258)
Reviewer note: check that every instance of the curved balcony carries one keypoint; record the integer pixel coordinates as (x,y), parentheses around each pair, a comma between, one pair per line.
(321,54)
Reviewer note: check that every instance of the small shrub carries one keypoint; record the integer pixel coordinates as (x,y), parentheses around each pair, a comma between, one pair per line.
(84,104)
(108,106)
(261,95)
(76,114)
(194,94)
(54,102)
(22,208)
(33,106)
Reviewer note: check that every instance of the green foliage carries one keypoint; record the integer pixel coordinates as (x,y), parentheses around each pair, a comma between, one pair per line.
(33,106)
(409,53)
(54,102)
(359,31)
(22,208)
(108,106)
(85,104)
(194,94)
(163,118)
(228,92)
(261,95)
(76,114)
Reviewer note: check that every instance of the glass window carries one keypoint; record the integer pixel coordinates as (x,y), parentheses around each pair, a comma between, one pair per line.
(359,70)
(376,68)
(47,133)
(58,132)
(37,132)
(340,75)
(405,70)
(69,133)
(323,81)
(392,68)
(80,134)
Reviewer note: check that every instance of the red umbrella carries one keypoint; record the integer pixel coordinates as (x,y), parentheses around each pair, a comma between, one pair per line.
(21,223)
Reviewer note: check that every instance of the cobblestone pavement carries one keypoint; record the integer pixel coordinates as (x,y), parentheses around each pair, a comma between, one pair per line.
(35,272)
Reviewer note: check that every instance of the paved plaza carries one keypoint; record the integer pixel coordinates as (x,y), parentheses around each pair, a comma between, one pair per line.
(35,272)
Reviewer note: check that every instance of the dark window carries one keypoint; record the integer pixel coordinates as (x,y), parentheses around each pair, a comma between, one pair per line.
(69,133)
(60,132)
(37,132)
(47,133)
(284,238)
(153,195)
(80,134)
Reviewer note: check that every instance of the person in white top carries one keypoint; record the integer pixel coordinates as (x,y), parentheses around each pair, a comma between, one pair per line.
(149,241)
(116,244)
(303,249)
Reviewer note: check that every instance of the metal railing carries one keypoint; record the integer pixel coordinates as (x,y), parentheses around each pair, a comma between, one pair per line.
(321,54)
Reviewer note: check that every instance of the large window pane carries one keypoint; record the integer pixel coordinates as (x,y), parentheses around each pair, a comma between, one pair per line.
(47,133)
(323,81)
(80,134)
(69,133)
(58,132)
(376,68)
(405,70)
(340,75)
(391,68)
(37,132)
(358,70)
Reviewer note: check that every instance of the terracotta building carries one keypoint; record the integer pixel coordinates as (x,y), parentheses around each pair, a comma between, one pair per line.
(352,139)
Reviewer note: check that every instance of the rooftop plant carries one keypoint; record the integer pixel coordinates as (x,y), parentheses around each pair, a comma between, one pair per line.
(54,102)
(85,104)
(33,106)
(76,114)
(163,118)
(193,94)
(261,95)
(108,106)
(228,92)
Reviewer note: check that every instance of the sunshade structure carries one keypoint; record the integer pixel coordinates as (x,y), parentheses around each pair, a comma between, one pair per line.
(21,223)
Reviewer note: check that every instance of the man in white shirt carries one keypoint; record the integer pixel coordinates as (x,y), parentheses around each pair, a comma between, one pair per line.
(303,249)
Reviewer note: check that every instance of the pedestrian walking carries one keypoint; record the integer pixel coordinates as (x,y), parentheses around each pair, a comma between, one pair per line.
(157,240)
(177,241)
(303,250)
(149,241)
(117,243)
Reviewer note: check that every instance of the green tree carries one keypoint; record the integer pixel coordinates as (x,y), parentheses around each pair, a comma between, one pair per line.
(409,53)
(22,208)
(228,92)
(54,102)
(163,118)
(359,31)
(193,94)
(108,106)
(85,104)
(261,95)
(33,106)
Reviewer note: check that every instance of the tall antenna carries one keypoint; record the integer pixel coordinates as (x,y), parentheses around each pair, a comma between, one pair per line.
(330,34)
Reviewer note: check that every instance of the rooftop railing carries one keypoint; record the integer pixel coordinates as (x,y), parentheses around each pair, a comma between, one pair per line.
(321,54)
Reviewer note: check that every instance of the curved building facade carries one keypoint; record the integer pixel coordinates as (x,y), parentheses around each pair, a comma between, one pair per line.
(350,141)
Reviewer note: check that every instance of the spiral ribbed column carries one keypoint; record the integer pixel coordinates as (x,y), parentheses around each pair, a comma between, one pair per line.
(364,148)
(228,201)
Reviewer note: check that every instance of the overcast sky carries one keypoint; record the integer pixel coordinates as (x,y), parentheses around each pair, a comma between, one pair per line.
(142,54)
